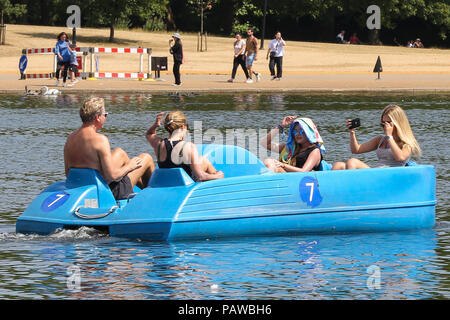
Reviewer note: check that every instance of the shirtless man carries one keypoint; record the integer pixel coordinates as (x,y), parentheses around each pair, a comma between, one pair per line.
(86,148)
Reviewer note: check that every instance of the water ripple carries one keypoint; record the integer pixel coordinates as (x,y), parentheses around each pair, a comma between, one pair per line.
(412,265)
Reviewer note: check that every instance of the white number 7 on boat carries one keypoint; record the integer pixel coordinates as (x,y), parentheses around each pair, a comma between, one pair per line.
(309,191)
(311,185)
(58,197)
(54,201)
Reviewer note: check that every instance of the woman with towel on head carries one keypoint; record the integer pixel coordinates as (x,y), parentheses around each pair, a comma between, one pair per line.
(303,149)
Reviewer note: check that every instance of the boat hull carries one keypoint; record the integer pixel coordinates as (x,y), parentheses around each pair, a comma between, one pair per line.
(250,201)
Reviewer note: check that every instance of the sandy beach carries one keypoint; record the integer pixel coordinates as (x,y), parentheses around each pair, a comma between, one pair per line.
(307,66)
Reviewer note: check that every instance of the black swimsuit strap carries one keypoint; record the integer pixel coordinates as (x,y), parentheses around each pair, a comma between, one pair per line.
(158,151)
(169,148)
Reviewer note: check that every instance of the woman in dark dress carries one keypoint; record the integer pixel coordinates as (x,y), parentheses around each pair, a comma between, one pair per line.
(176,49)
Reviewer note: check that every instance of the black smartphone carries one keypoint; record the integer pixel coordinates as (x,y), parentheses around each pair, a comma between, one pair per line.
(355,123)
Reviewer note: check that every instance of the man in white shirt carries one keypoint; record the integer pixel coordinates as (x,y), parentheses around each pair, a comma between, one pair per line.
(340,37)
(276,53)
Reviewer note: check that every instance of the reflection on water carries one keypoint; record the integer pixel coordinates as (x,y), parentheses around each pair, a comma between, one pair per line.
(33,130)
(301,267)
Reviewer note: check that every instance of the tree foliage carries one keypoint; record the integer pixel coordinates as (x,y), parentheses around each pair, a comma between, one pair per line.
(311,20)
(9,9)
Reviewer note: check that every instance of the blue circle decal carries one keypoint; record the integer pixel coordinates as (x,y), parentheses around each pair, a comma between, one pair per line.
(54,201)
(309,192)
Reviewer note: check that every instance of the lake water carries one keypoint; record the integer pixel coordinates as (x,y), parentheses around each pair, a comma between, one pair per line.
(401,265)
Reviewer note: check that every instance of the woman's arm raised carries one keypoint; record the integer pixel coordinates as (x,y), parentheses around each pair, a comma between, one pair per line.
(151,136)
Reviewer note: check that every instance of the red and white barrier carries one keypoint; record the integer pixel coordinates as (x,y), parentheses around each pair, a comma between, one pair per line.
(92,51)
(40,75)
(39,51)
(51,50)
(124,75)
(123,50)
(121,75)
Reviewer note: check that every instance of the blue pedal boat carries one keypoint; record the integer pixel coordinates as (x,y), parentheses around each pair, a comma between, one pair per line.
(249,201)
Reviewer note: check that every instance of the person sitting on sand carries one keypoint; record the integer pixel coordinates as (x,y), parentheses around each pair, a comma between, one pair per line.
(393,149)
(418,43)
(86,148)
(354,39)
(340,37)
(174,152)
(303,150)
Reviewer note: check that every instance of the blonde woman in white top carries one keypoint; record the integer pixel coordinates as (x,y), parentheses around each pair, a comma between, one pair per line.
(393,149)
(239,57)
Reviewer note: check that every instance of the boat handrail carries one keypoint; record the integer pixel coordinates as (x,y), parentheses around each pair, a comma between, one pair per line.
(96,216)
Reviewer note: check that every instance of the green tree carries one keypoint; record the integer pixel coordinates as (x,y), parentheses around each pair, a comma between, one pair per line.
(8,9)
(200,7)
(111,12)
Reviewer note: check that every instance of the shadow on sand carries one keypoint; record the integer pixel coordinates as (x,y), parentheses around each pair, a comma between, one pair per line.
(80,38)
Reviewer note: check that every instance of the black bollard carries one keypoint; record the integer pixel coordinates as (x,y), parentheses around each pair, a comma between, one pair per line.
(74,36)
(378,67)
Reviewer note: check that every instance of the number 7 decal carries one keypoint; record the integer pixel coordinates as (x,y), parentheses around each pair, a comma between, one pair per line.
(58,197)
(54,201)
(311,185)
(309,191)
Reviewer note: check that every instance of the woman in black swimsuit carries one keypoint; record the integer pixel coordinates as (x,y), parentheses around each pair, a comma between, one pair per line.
(174,152)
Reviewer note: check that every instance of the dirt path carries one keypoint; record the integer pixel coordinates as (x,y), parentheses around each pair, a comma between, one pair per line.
(307,66)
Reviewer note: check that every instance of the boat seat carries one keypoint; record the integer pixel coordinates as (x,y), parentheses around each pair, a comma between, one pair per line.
(78,178)
(169,177)
(233,161)
(324,166)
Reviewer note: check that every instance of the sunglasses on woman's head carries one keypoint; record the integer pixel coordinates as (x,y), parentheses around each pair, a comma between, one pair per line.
(384,122)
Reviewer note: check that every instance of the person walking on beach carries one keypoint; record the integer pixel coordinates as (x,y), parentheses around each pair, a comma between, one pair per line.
(86,148)
(251,47)
(176,49)
(239,57)
(63,52)
(276,53)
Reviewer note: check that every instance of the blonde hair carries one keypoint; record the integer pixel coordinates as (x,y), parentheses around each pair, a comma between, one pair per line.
(404,132)
(174,120)
(91,108)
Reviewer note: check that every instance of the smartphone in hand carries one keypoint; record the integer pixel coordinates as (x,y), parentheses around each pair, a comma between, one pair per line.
(355,123)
